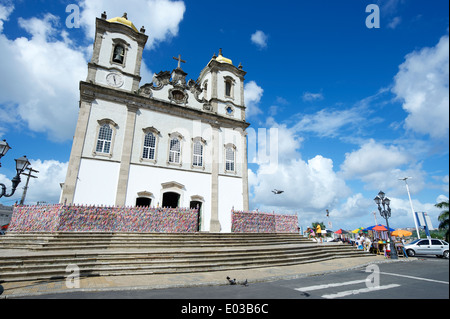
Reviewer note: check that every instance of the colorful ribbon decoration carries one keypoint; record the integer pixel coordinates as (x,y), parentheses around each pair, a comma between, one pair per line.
(258,222)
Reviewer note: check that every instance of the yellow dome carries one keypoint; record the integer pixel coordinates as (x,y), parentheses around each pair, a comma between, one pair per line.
(123,21)
(223,59)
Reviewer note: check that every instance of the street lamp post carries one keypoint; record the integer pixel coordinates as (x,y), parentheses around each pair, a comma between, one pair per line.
(385,212)
(4,148)
(21,164)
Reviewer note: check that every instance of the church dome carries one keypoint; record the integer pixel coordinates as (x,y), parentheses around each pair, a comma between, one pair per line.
(223,59)
(123,20)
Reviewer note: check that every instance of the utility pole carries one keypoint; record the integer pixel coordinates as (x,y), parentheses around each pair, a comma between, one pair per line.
(375,216)
(411,204)
(30,170)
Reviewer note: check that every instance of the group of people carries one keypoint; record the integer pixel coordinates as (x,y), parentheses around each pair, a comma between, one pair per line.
(363,242)
(317,234)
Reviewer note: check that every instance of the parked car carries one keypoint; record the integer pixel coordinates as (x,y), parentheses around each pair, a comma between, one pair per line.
(427,247)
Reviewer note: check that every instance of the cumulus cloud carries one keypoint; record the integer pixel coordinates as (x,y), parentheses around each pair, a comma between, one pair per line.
(253,94)
(44,188)
(161,18)
(380,167)
(422,84)
(259,38)
(309,186)
(5,11)
(40,87)
(41,91)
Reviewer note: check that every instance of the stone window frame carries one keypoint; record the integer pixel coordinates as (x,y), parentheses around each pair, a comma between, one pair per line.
(226,160)
(203,144)
(157,135)
(180,138)
(205,89)
(113,126)
(231,81)
(148,195)
(233,110)
(172,187)
(116,42)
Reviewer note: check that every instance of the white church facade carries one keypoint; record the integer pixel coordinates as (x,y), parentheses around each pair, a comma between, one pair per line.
(170,143)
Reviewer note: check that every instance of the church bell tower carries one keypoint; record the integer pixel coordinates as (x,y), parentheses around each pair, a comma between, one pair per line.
(117,56)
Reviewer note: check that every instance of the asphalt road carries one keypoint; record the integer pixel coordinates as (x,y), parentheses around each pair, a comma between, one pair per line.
(426,278)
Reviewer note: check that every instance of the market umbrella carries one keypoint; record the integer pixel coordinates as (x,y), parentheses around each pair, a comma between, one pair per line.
(401,233)
(372,228)
(340,231)
(358,230)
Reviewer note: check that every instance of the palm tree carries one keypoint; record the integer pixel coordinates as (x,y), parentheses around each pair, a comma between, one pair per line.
(443,218)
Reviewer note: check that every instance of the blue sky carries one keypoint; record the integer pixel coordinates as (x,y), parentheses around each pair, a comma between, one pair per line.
(354,108)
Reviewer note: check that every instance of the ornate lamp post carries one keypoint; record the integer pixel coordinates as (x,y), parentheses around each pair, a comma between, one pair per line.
(382,200)
(21,164)
(4,148)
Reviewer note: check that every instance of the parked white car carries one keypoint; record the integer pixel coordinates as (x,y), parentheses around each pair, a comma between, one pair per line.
(427,247)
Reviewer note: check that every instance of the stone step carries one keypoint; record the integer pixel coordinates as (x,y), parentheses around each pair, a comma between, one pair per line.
(166,266)
(102,254)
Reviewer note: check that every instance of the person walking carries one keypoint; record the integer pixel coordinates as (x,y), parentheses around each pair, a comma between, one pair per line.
(319,233)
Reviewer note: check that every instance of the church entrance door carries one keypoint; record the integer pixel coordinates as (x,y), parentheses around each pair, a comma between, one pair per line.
(171,200)
(143,202)
(197,205)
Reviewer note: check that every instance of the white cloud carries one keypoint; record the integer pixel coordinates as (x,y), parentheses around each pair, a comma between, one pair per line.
(47,186)
(422,84)
(372,157)
(260,39)
(394,22)
(161,18)
(253,94)
(309,186)
(308,96)
(5,11)
(44,188)
(329,122)
(40,88)
(380,167)
(41,91)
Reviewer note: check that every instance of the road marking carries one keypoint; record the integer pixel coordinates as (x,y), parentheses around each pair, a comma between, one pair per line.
(412,277)
(359,291)
(318,287)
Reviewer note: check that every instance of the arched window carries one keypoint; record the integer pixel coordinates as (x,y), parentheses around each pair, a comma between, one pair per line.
(104,139)
(175,150)
(119,53)
(197,160)
(149,146)
(230,152)
(228,88)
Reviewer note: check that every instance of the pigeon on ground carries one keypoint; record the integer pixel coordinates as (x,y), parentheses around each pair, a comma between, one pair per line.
(232,282)
(245,283)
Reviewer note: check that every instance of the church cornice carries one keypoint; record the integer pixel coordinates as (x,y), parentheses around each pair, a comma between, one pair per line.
(214,66)
(105,26)
(93,91)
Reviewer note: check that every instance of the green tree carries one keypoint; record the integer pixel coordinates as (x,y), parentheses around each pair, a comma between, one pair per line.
(444,219)
(314,225)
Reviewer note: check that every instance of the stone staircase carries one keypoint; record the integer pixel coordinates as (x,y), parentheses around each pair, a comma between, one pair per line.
(43,256)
